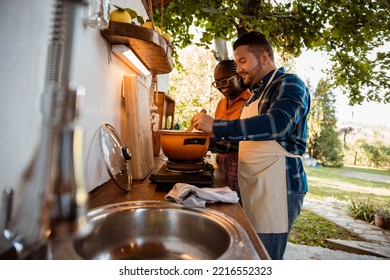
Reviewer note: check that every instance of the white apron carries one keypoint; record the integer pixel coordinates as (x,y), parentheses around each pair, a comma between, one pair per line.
(262,179)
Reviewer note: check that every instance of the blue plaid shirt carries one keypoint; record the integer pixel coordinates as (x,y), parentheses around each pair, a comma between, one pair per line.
(283,113)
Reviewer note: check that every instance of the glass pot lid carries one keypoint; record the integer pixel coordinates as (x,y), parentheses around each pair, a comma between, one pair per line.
(116,157)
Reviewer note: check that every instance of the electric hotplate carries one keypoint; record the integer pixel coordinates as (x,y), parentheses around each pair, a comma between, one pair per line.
(169,175)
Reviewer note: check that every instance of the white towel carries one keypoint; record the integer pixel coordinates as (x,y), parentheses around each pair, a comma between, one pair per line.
(193,196)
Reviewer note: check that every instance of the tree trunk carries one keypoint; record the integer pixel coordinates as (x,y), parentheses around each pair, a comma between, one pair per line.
(220,50)
(345,140)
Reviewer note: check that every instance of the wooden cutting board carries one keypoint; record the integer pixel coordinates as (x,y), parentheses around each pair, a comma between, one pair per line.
(138,132)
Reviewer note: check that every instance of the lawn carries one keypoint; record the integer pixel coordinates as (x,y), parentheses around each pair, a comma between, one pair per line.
(312,230)
(337,183)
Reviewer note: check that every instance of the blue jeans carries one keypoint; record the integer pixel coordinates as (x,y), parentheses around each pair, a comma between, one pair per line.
(276,243)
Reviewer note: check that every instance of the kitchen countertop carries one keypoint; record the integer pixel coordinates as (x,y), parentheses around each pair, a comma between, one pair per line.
(109,193)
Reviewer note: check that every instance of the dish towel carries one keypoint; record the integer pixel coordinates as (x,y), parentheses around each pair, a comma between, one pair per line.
(193,196)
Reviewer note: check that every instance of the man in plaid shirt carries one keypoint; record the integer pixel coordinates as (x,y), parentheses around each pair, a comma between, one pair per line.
(272,134)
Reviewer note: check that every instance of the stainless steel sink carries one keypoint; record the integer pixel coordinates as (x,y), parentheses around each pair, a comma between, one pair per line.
(163,230)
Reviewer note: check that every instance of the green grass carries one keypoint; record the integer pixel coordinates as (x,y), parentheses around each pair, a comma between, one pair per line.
(330,182)
(366,170)
(311,229)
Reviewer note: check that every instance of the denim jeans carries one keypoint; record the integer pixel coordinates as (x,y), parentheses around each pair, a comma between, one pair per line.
(276,243)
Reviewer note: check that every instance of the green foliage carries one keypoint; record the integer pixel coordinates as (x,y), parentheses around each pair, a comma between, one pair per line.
(366,211)
(377,153)
(190,85)
(349,31)
(361,210)
(371,153)
(323,142)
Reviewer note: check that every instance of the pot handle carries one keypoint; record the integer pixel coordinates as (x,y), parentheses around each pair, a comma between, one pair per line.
(195,141)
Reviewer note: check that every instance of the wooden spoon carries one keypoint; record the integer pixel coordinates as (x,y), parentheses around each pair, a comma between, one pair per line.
(192,126)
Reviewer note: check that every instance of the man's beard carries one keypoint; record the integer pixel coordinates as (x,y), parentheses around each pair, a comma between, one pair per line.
(254,75)
(243,84)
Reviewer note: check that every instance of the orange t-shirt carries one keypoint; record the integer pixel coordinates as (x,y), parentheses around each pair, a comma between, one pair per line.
(222,112)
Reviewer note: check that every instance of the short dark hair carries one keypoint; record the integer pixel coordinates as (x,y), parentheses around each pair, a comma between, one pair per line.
(257,43)
(229,65)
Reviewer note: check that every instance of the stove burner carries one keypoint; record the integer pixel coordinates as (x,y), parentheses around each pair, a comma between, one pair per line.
(166,179)
(185,167)
(182,171)
(195,161)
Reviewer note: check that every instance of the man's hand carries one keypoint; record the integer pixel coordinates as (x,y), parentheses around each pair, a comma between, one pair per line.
(203,122)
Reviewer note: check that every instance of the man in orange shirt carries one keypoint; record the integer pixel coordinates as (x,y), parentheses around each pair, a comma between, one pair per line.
(229,107)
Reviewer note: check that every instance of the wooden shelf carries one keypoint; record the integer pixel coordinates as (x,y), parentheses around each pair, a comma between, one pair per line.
(149,46)
(166,110)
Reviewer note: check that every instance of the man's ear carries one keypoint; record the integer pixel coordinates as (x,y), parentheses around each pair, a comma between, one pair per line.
(264,57)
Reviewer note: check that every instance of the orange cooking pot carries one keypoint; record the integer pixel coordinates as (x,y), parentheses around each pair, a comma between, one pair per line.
(180,145)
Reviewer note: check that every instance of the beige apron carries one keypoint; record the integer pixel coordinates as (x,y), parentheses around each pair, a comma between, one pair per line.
(262,179)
